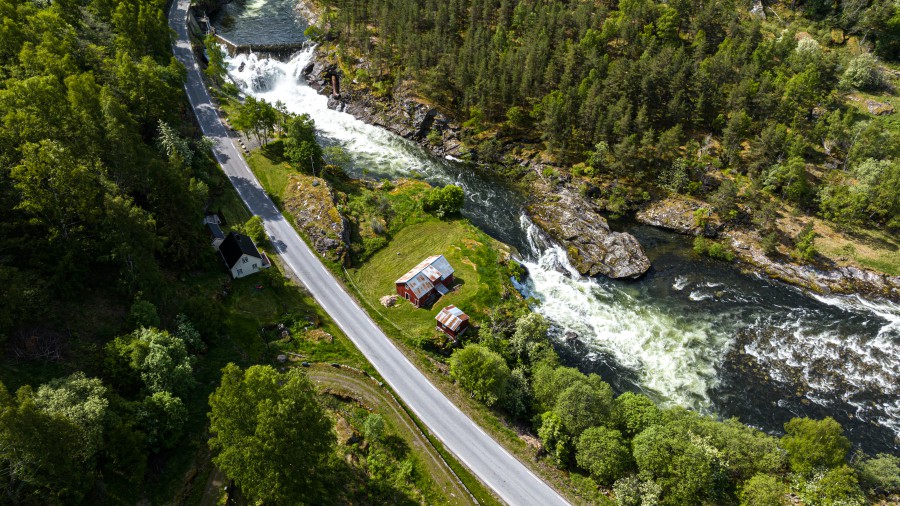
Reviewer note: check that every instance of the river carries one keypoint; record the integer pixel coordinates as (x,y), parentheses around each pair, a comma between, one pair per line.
(691,332)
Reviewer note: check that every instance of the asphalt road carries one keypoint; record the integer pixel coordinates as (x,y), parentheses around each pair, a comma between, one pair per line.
(503,473)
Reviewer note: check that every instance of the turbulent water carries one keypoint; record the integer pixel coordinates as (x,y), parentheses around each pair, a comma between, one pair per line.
(691,332)
(242,22)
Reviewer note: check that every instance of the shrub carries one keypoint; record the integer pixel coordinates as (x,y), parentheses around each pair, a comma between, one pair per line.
(481,371)
(444,201)
(435,138)
(769,243)
(517,117)
(701,217)
(634,412)
(862,73)
(143,314)
(602,453)
(254,229)
(814,444)
(805,244)
(763,490)
(712,249)
(880,474)
(837,486)
(555,439)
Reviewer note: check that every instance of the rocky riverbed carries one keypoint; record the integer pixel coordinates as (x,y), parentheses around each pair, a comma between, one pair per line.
(570,219)
(677,214)
(573,221)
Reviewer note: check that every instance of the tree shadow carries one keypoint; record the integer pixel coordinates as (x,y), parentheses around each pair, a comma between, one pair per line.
(274,151)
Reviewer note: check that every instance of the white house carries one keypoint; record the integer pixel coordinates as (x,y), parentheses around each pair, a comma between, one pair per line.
(241,256)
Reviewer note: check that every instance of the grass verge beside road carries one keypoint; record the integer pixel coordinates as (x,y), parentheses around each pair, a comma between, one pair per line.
(476,258)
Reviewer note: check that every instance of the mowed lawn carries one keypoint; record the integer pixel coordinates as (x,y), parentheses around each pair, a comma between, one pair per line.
(472,254)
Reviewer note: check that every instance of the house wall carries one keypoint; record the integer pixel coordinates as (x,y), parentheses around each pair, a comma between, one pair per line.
(454,335)
(246,266)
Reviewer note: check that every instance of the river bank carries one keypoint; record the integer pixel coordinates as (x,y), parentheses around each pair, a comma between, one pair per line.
(555,199)
(684,331)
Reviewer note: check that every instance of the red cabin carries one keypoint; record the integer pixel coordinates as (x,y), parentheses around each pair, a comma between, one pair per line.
(452,321)
(426,281)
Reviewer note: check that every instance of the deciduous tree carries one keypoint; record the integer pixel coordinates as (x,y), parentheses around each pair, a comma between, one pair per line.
(270,434)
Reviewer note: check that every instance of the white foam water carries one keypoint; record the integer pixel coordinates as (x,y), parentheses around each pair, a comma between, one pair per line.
(676,358)
(676,354)
(371,149)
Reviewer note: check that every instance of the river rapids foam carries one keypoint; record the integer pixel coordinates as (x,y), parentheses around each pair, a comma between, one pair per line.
(675,351)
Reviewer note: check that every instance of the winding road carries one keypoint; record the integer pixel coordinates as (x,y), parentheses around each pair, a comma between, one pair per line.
(487,459)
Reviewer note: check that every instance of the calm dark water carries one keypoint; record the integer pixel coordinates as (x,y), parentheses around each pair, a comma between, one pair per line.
(691,332)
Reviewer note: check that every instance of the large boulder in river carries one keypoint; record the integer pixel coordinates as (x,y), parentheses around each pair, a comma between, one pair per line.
(311,203)
(591,246)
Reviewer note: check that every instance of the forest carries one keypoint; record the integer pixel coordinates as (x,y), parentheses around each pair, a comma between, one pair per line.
(103,182)
(110,347)
(746,106)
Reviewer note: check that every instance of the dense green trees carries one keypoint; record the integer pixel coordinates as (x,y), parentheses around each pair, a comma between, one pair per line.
(270,434)
(256,117)
(481,371)
(86,188)
(649,455)
(626,92)
(300,144)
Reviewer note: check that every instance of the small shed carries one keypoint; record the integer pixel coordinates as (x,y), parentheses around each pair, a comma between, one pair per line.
(452,321)
(214,228)
(431,278)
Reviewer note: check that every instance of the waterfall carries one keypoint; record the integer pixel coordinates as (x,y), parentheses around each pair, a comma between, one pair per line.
(677,328)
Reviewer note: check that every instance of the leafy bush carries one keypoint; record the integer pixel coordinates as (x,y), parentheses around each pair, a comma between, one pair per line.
(253,228)
(837,486)
(603,453)
(435,138)
(805,244)
(712,249)
(814,444)
(481,371)
(444,201)
(862,73)
(634,412)
(763,490)
(143,314)
(880,474)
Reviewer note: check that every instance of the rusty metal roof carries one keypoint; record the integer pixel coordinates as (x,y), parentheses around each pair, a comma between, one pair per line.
(419,284)
(435,268)
(452,317)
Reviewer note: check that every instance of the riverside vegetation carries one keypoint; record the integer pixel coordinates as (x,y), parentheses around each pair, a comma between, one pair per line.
(772,117)
(118,318)
(623,446)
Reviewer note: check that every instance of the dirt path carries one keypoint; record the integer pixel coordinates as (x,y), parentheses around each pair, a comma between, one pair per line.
(348,382)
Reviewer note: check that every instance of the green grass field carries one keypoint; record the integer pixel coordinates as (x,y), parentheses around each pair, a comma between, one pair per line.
(472,254)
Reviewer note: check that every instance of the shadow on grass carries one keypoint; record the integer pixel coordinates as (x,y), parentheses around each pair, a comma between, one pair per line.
(274,151)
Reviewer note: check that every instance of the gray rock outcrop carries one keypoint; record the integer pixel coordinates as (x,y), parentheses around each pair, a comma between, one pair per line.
(311,203)
(591,246)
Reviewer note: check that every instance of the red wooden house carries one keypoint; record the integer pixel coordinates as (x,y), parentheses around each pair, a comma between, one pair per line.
(452,321)
(431,278)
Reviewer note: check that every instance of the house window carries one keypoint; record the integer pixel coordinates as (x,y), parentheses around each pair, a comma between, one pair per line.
(253,265)
(244,260)
(407,295)
(240,272)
